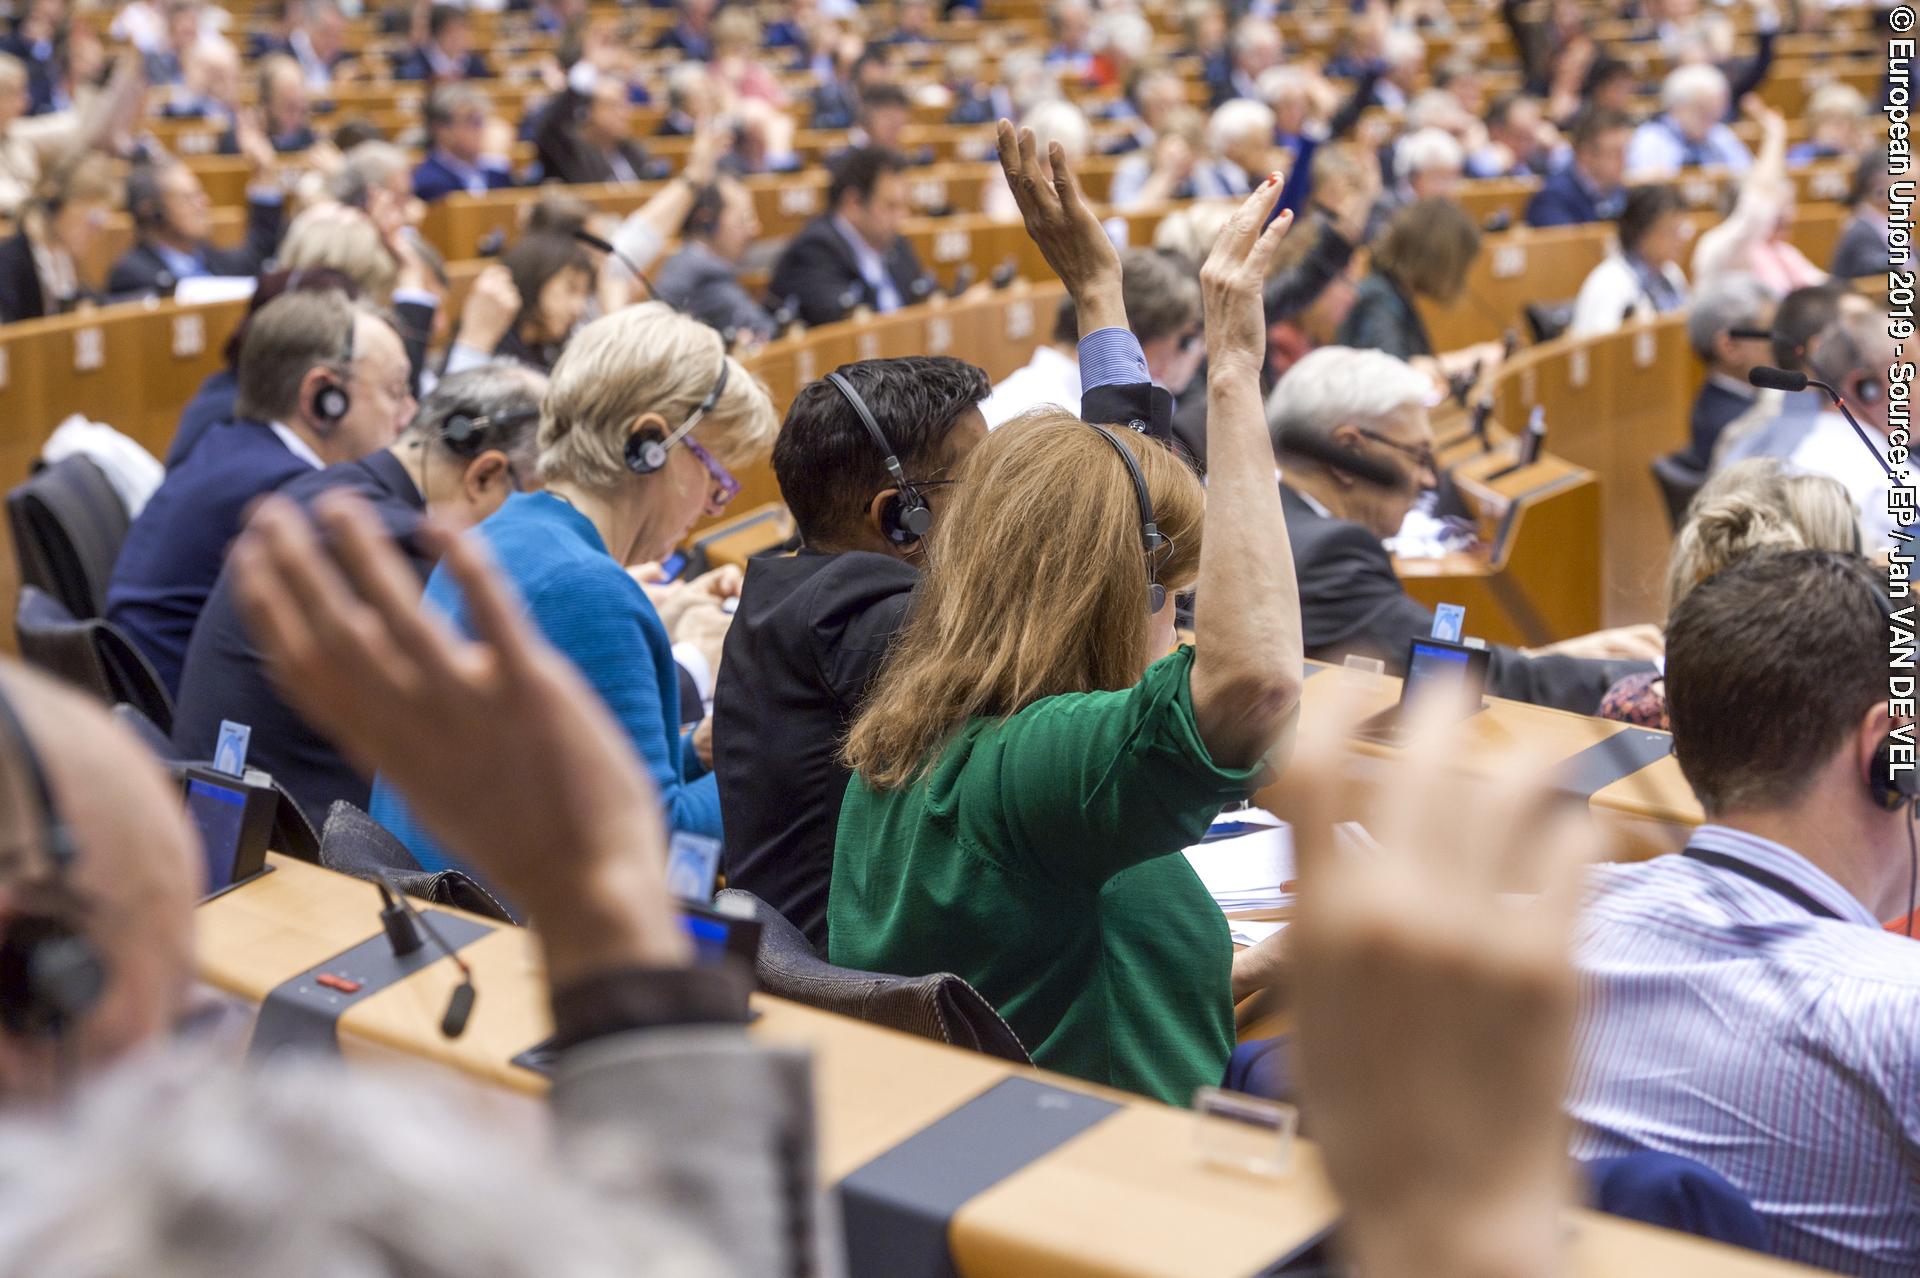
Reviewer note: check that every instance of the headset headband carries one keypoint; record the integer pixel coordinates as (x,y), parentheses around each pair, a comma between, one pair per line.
(706,405)
(59,839)
(860,410)
(1152,540)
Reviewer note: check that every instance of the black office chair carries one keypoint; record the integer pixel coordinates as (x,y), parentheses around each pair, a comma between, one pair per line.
(135,720)
(1680,478)
(354,843)
(68,524)
(91,654)
(941,1007)
(1548,320)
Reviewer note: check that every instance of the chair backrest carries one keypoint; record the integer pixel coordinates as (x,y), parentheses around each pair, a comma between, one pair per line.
(90,654)
(352,842)
(1547,320)
(135,720)
(941,1006)
(1679,480)
(68,523)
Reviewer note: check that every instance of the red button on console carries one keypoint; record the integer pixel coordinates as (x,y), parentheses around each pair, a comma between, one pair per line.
(340,983)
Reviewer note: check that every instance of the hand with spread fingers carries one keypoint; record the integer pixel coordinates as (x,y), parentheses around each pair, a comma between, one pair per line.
(1233,281)
(1061,222)
(1433,1014)
(497,741)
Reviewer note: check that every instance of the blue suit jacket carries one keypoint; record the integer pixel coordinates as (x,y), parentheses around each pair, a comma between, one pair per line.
(433,180)
(1563,201)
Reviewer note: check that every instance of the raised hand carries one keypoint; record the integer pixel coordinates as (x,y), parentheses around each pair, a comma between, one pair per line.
(496,741)
(1057,215)
(1433,1017)
(492,304)
(1233,278)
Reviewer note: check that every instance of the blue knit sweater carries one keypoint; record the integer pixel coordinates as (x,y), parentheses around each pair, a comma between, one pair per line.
(591,610)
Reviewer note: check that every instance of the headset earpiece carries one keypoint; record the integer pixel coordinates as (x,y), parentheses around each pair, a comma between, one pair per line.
(1889,790)
(331,403)
(646,451)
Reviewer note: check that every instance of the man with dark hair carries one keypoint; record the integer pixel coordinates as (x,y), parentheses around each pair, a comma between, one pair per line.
(471,443)
(1517,141)
(456,135)
(1590,187)
(1741,1004)
(172,218)
(1779,420)
(318,382)
(812,629)
(854,255)
(448,53)
(585,132)
(703,278)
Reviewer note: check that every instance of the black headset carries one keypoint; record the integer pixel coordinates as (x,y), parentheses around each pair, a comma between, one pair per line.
(904,517)
(464,435)
(331,402)
(647,449)
(50,973)
(1152,540)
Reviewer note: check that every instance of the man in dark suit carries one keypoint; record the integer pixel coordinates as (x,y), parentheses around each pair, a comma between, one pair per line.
(448,53)
(854,255)
(692,35)
(1351,602)
(1726,305)
(1590,187)
(459,475)
(585,132)
(171,217)
(1864,248)
(456,160)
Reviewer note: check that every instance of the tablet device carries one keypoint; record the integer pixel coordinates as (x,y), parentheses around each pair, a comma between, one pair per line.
(235,820)
(1436,669)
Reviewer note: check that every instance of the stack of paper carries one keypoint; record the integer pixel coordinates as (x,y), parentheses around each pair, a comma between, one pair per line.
(1249,869)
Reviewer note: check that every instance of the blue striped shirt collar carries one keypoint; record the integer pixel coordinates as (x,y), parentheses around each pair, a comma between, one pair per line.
(1777,859)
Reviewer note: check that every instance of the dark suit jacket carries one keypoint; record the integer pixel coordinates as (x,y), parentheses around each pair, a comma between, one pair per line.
(1713,408)
(1862,250)
(564,157)
(1563,201)
(818,269)
(433,180)
(283,143)
(20,295)
(1352,602)
(141,269)
(415,66)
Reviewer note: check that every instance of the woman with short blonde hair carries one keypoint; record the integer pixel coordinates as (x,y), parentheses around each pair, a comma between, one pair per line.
(43,268)
(1031,762)
(645,419)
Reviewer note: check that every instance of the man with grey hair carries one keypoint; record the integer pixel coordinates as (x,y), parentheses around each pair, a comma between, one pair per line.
(1428,162)
(1691,129)
(1370,404)
(1240,136)
(369,168)
(1727,326)
(470,445)
(1853,356)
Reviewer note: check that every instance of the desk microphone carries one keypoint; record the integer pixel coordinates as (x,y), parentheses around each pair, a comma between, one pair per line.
(593,241)
(453,1022)
(1783,379)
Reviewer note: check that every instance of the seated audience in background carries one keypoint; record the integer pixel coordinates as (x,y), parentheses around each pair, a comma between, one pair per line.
(386,263)
(1740,1003)
(645,419)
(1240,150)
(1166,170)
(1641,277)
(585,132)
(1853,355)
(1152,97)
(212,402)
(1375,406)
(1253,47)
(1690,131)
(703,278)
(885,112)
(59,229)
(210,89)
(1426,251)
(377,176)
(30,145)
(448,53)
(1753,237)
(1052,121)
(1749,508)
(1162,296)
(1778,421)
(1588,187)
(471,443)
(692,34)
(135,871)
(1864,248)
(554,278)
(1427,164)
(1028,764)
(317,41)
(739,65)
(318,382)
(854,255)
(456,146)
(1729,303)
(286,113)
(172,219)
(1520,143)
(1836,117)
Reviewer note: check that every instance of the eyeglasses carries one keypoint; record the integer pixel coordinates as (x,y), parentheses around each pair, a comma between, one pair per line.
(1422,456)
(725,486)
(1190,339)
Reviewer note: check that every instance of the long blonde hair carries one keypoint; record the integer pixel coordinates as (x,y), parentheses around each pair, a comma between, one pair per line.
(1036,585)
(1753,505)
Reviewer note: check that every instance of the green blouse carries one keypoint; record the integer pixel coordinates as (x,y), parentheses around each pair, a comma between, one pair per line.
(1040,858)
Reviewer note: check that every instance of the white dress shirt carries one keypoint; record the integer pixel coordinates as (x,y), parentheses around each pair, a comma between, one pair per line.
(1048,378)
(1831,448)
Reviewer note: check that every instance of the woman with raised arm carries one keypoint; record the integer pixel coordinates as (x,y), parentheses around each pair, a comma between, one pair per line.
(1037,753)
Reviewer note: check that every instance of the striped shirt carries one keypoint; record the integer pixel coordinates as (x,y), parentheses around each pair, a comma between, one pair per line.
(1724,1021)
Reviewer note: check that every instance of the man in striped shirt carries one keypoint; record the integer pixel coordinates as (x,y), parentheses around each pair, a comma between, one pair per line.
(1740,1003)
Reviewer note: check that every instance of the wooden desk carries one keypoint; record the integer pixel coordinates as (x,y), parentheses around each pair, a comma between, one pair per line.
(1647,811)
(1126,1197)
